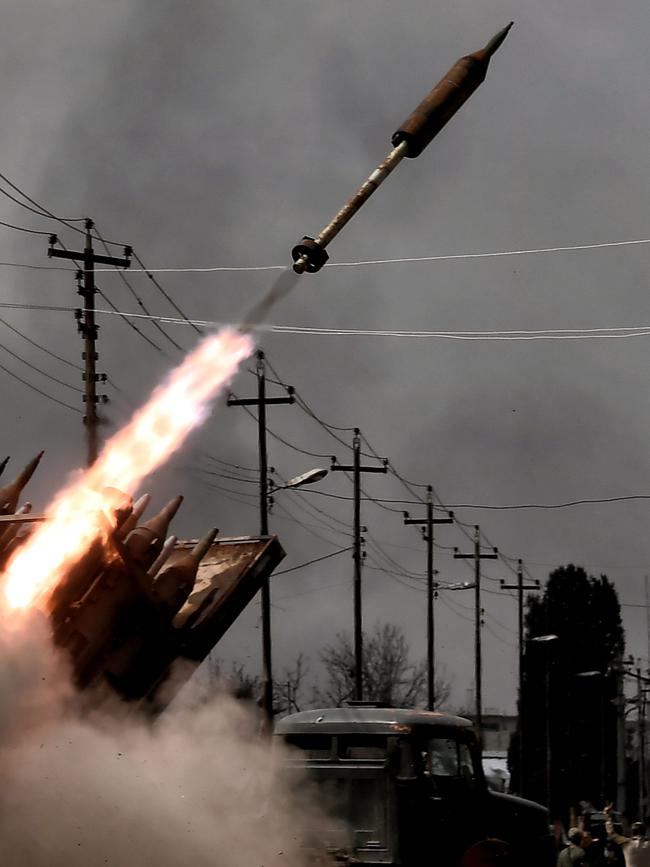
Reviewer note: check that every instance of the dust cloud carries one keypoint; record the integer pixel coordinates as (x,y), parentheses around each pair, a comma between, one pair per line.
(196,787)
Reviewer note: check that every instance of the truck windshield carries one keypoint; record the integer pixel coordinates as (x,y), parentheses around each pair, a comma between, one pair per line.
(447,759)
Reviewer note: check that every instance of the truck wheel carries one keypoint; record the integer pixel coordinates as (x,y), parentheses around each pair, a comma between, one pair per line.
(487,853)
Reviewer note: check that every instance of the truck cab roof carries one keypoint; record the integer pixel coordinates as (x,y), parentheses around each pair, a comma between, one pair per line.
(375,720)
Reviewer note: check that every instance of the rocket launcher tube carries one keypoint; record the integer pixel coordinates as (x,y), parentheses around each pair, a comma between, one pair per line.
(145,542)
(174,584)
(435,110)
(163,557)
(136,513)
(449,94)
(10,494)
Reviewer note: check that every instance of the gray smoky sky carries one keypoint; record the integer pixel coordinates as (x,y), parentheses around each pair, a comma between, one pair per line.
(218,133)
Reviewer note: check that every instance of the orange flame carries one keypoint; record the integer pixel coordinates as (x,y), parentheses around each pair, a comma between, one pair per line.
(154,433)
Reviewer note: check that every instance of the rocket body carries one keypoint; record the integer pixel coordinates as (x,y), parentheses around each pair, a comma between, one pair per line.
(145,542)
(417,131)
(443,101)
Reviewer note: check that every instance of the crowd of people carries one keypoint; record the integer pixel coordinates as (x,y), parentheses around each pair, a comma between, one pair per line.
(605,845)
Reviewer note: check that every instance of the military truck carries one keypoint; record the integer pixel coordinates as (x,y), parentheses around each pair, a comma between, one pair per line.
(406,787)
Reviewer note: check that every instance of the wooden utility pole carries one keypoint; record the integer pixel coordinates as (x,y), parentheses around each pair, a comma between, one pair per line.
(356,469)
(88,328)
(520,587)
(261,402)
(427,535)
(477,556)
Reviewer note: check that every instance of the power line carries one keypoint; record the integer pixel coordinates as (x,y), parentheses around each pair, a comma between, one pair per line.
(555,505)
(39,346)
(312,413)
(38,369)
(315,560)
(225,476)
(42,210)
(34,267)
(398,577)
(447,604)
(408,259)
(281,507)
(607,332)
(314,512)
(229,464)
(169,299)
(227,496)
(23,229)
(138,300)
(38,390)
(498,637)
(133,327)
(22,204)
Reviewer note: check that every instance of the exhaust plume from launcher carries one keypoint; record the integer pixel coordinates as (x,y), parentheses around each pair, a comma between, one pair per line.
(417,131)
(76,520)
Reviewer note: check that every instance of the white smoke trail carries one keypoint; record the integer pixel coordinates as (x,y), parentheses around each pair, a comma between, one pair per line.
(198,787)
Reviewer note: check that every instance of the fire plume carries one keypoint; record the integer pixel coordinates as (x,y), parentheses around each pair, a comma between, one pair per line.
(78,514)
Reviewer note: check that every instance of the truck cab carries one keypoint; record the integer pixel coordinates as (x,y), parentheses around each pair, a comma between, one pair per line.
(406,787)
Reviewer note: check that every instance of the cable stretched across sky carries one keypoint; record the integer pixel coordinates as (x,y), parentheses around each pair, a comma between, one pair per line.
(612,332)
(603,333)
(489,254)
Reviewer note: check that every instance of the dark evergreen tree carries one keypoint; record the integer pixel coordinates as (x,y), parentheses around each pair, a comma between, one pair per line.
(569,712)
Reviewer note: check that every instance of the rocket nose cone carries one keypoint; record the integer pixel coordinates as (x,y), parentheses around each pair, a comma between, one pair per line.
(495,43)
(173,506)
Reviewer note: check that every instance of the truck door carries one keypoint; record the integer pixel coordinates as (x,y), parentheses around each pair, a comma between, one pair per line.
(455,797)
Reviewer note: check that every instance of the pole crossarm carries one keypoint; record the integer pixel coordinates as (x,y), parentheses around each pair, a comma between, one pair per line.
(352,469)
(479,556)
(98,259)
(428,524)
(253,401)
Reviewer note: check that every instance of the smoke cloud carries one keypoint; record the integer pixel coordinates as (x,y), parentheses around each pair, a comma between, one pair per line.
(197,787)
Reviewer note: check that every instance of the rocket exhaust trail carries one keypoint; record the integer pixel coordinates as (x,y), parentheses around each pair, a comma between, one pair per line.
(158,429)
(279,290)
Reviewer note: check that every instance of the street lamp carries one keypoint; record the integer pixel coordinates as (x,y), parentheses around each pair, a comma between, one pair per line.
(307,478)
(547,639)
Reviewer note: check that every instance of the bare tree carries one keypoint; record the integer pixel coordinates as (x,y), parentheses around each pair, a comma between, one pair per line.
(288,687)
(239,682)
(389,675)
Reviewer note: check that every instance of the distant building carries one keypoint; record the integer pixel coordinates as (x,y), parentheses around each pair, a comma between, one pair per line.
(497,731)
